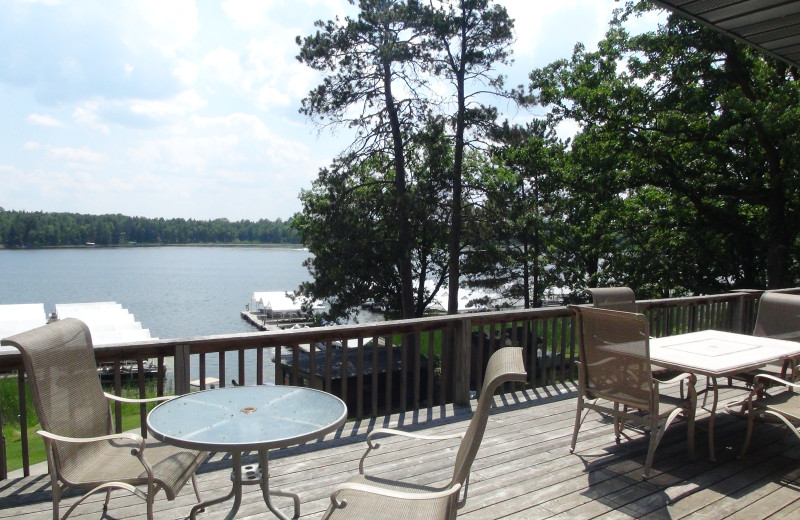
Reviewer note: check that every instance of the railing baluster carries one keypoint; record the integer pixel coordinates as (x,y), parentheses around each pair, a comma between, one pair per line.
(118,392)
(431,368)
(389,370)
(344,372)
(360,379)
(260,366)
(328,365)
(242,378)
(23,423)
(312,365)
(404,372)
(202,369)
(142,395)
(222,378)
(533,353)
(374,378)
(3,459)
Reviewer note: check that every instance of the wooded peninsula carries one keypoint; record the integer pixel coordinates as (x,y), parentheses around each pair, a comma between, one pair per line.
(24,229)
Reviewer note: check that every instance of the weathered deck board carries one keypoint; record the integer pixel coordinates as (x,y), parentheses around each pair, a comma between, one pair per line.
(523,471)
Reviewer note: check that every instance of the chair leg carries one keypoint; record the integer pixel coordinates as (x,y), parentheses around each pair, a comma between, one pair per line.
(196,489)
(751,420)
(108,499)
(690,432)
(150,500)
(56,499)
(578,422)
(651,450)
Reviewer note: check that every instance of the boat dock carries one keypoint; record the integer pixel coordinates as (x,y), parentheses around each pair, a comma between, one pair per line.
(262,321)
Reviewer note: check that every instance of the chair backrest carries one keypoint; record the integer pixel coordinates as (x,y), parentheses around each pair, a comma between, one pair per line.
(614,352)
(504,365)
(778,316)
(616,298)
(62,376)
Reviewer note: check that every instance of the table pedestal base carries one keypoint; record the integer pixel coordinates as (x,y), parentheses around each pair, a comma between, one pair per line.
(248,475)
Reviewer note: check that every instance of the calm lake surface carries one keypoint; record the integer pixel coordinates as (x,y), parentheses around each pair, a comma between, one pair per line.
(175,292)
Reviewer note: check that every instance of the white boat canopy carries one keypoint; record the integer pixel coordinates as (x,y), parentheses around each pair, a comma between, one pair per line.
(18,318)
(108,322)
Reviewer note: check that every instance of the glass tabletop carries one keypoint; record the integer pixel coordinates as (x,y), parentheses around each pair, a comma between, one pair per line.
(246,417)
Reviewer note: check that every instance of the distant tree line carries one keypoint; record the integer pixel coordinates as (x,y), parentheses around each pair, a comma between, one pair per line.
(19,229)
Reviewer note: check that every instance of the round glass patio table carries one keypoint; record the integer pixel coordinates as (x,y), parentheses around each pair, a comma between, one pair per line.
(247,418)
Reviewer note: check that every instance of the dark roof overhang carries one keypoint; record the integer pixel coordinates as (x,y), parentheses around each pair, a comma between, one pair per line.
(770,25)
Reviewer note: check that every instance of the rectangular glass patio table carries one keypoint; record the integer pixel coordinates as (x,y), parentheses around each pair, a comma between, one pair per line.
(247,418)
(714,354)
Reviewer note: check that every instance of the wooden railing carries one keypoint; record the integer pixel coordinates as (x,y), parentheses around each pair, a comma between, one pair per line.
(390,366)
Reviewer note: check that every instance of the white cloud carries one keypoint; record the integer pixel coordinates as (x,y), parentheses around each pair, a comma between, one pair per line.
(83,154)
(223,65)
(86,116)
(171,24)
(189,109)
(44,120)
(186,102)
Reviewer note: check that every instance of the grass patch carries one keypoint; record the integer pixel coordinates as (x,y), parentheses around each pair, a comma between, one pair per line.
(36,450)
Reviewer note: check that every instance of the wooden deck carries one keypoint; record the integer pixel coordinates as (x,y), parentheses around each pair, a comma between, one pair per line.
(523,471)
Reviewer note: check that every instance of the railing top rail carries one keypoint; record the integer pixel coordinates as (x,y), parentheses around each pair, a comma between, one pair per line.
(11,360)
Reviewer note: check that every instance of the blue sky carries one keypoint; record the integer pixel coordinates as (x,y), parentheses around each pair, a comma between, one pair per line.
(189,108)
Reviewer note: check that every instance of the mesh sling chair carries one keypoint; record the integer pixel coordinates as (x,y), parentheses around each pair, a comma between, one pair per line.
(624,299)
(614,377)
(375,498)
(778,317)
(73,410)
(615,298)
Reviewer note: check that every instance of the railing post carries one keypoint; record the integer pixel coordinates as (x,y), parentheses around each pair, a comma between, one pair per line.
(461,361)
(182,372)
(737,314)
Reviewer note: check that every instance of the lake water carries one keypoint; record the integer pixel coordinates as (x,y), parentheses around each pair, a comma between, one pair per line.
(175,292)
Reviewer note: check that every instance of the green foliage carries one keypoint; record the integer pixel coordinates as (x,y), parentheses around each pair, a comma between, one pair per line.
(39,229)
(349,224)
(511,233)
(683,177)
(378,218)
(9,401)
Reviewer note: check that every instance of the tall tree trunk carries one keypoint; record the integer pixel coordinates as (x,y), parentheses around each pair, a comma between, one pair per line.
(401,211)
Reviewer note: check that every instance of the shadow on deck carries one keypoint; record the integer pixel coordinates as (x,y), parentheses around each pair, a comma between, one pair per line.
(523,470)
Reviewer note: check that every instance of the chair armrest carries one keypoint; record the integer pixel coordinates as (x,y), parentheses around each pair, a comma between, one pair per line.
(120,399)
(389,493)
(372,445)
(131,436)
(401,433)
(775,379)
(675,380)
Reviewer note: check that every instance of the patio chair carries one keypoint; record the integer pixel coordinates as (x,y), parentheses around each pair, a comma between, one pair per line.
(778,317)
(73,410)
(614,378)
(377,498)
(615,298)
(624,299)
(784,406)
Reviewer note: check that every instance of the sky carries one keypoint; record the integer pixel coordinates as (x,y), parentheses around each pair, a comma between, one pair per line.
(189,108)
